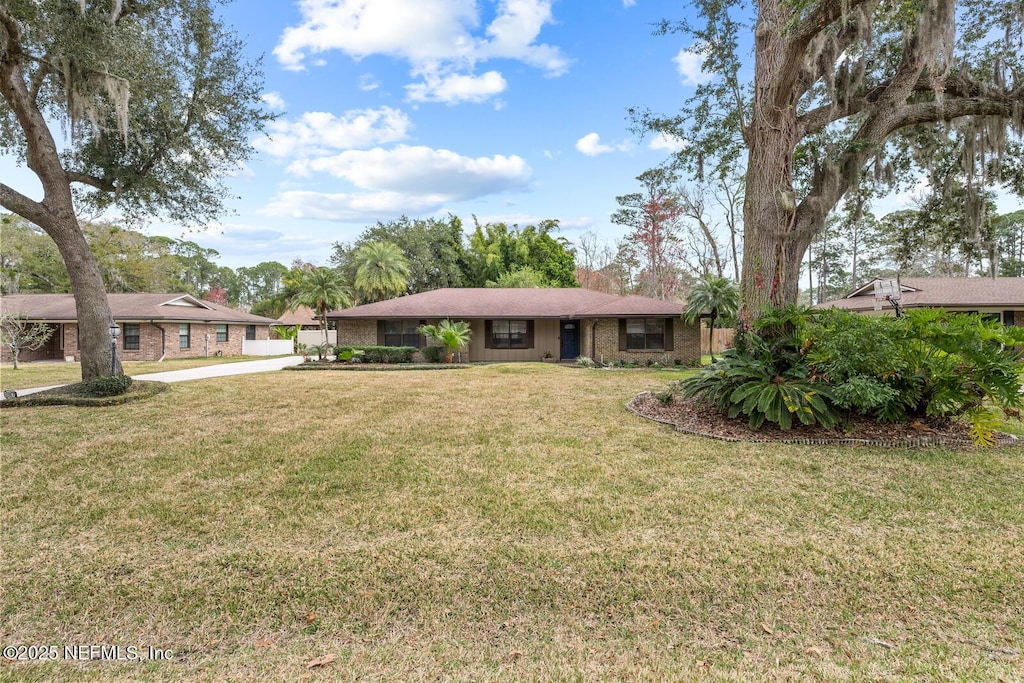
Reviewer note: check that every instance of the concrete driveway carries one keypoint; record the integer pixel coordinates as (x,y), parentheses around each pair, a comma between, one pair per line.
(247,367)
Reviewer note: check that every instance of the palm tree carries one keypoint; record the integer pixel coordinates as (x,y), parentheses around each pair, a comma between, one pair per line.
(323,290)
(452,335)
(718,295)
(382,270)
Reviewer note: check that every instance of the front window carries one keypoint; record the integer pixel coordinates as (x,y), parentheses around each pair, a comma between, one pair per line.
(250,332)
(645,334)
(131,336)
(509,334)
(402,333)
(184,336)
(222,333)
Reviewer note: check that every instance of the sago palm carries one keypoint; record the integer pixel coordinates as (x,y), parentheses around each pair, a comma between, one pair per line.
(323,290)
(382,270)
(717,295)
(452,335)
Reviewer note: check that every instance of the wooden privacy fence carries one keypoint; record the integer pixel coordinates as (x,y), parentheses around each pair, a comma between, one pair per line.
(723,339)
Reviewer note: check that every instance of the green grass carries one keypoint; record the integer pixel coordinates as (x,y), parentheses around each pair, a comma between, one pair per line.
(506,522)
(29,375)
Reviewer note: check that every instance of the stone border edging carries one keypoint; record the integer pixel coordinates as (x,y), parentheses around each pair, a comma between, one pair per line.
(924,441)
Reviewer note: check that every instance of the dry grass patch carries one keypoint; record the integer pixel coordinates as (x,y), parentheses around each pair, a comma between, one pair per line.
(44,374)
(503,522)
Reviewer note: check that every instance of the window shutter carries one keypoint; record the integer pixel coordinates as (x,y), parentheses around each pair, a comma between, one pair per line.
(622,334)
(380,333)
(529,334)
(669,337)
(423,337)
(488,334)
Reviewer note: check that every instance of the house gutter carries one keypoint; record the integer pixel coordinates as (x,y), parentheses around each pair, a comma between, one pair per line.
(163,341)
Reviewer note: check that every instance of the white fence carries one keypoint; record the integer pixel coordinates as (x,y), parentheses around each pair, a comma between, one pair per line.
(267,347)
(316,337)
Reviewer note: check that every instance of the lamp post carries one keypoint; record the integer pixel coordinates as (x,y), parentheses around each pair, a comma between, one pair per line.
(115,332)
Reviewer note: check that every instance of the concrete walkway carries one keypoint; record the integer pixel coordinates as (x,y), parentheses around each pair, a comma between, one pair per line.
(222,370)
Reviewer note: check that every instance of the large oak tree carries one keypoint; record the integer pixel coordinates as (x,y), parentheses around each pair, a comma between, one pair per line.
(142,105)
(842,93)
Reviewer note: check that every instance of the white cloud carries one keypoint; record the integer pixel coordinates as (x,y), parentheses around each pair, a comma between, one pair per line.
(591,145)
(457,88)
(440,39)
(403,180)
(515,28)
(689,63)
(346,207)
(422,171)
(323,132)
(668,143)
(274,101)
(367,82)
(628,3)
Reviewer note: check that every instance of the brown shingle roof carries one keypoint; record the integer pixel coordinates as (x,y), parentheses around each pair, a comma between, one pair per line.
(140,307)
(512,303)
(303,315)
(944,292)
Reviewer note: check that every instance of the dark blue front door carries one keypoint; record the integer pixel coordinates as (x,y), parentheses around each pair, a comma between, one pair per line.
(570,333)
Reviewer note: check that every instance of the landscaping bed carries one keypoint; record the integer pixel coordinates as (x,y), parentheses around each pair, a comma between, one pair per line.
(697,418)
(329,365)
(72,395)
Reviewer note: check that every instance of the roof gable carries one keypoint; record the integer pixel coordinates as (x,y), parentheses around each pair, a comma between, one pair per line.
(942,292)
(187,300)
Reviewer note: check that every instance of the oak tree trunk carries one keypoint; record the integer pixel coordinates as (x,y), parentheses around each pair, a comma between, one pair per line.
(774,242)
(55,214)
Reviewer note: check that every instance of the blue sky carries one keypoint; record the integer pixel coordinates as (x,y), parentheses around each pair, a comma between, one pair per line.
(513,111)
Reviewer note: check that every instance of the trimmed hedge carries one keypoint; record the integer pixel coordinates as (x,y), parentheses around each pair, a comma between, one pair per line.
(433,354)
(377,354)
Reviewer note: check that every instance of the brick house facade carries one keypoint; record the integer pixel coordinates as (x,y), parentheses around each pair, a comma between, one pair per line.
(527,324)
(152,326)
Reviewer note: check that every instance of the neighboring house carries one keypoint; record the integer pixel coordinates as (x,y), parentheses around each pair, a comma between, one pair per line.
(526,324)
(309,330)
(153,326)
(1002,298)
(303,315)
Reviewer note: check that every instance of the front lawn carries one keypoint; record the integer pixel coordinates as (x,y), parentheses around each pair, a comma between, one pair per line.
(505,522)
(44,374)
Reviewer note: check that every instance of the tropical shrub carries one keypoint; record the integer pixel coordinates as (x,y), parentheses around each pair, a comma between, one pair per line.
(815,365)
(453,335)
(752,383)
(928,363)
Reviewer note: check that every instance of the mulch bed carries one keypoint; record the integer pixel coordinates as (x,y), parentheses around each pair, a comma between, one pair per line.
(703,420)
(72,395)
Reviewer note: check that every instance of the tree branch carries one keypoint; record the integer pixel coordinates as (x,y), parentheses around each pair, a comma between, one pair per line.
(92,181)
(835,180)
(800,37)
(16,202)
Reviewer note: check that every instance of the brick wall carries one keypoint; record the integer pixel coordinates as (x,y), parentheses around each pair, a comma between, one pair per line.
(48,351)
(685,340)
(151,345)
(357,332)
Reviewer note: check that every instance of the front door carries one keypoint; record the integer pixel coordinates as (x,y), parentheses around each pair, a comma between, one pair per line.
(570,333)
